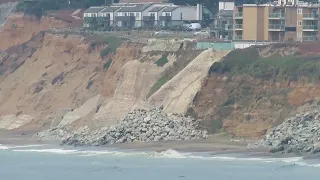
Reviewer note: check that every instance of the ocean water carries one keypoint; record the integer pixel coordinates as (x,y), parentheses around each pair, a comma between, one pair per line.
(46,162)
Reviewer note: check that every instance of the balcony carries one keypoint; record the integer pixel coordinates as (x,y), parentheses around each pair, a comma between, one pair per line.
(165,18)
(238,37)
(309,38)
(238,15)
(276,27)
(276,16)
(310,16)
(238,27)
(148,18)
(125,18)
(310,28)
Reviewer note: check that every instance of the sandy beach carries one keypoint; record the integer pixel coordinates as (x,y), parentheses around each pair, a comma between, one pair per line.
(218,144)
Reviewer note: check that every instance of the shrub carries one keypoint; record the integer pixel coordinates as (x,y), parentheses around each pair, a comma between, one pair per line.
(107,64)
(216,126)
(90,83)
(104,52)
(160,82)
(162,61)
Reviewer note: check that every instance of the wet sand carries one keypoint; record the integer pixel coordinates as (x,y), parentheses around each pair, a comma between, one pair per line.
(219,144)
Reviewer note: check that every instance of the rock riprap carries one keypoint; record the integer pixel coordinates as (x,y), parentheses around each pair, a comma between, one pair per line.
(296,134)
(140,126)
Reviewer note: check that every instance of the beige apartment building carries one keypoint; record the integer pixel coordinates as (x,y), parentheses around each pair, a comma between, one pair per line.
(281,21)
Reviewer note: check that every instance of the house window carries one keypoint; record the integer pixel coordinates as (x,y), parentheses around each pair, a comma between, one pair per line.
(125,14)
(94,15)
(137,15)
(299,23)
(152,14)
(181,16)
(299,11)
(131,14)
(167,14)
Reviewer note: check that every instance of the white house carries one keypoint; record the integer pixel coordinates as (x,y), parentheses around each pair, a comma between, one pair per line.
(226,5)
(108,13)
(146,14)
(176,15)
(90,13)
(131,14)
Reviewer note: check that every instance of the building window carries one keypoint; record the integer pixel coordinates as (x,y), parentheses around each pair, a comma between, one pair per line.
(299,23)
(299,11)
(167,14)
(152,14)
(131,14)
(181,16)
(137,15)
(299,34)
(125,14)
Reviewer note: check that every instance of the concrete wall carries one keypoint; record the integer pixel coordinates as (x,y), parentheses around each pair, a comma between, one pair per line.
(188,13)
(246,44)
(249,23)
(222,46)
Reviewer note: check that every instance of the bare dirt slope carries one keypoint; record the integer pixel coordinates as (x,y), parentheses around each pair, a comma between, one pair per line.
(177,94)
(19,29)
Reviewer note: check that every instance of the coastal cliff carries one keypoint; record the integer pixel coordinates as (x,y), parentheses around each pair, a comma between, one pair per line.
(254,89)
(62,85)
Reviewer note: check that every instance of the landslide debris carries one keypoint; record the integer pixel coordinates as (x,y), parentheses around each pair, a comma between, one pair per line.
(139,126)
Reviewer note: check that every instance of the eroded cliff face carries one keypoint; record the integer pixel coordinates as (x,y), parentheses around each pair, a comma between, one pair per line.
(244,104)
(61,80)
(19,29)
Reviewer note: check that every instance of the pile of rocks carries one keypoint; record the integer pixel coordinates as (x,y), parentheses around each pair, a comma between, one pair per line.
(297,134)
(139,126)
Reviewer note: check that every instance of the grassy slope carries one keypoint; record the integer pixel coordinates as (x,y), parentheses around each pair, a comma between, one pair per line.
(248,62)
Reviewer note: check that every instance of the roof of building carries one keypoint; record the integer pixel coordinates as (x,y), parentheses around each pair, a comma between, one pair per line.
(142,1)
(93,10)
(156,9)
(134,7)
(170,9)
(109,9)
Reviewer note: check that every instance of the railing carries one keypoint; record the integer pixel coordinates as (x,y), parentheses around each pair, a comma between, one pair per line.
(276,15)
(276,26)
(238,26)
(238,15)
(310,27)
(237,37)
(310,16)
(309,38)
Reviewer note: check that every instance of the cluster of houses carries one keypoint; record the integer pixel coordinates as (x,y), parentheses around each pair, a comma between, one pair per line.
(146,14)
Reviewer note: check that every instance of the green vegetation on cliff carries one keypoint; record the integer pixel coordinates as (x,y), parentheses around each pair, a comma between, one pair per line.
(248,61)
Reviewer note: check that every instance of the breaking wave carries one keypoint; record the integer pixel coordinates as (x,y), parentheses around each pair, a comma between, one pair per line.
(2,147)
(169,154)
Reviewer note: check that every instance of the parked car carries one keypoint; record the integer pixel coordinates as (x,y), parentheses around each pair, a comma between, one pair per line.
(161,33)
(193,26)
(202,33)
